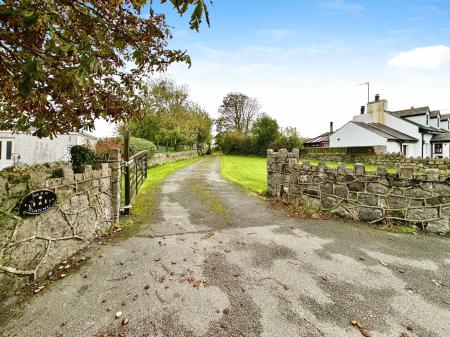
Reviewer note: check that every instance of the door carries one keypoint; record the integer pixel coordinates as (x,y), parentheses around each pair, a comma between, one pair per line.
(6,153)
(405,150)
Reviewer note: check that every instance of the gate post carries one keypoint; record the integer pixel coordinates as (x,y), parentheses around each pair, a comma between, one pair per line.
(126,150)
(115,163)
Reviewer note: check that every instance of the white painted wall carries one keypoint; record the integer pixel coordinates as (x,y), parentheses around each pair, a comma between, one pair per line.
(436,123)
(393,147)
(399,124)
(421,119)
(353,135)
(33,150)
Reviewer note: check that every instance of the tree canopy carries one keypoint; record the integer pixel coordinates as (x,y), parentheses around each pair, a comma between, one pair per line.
(64,63)
(237,113)
(170,118)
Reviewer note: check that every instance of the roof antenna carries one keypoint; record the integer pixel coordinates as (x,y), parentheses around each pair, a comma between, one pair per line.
(368,90)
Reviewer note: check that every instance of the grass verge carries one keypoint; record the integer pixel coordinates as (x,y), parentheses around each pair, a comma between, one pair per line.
(248,172)
(144,205)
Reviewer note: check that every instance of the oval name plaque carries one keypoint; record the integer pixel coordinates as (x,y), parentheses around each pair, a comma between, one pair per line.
(37,202)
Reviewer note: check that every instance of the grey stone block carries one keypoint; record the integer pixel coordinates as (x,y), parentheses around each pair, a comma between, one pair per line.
(368,199)
(357,186)
(420,214)
(341,191)
(369,214)
(440,226)
(377,188)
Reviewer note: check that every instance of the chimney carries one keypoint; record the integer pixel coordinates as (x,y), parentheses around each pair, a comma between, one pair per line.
(363,109)
(376,109)
(331,128)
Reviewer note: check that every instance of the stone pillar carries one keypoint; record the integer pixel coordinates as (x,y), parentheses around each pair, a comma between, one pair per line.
(115,163)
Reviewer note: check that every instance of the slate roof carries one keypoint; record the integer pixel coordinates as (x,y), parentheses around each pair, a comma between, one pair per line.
(434,114)
(386,132)
(323,138)
(443,137)
(411,112)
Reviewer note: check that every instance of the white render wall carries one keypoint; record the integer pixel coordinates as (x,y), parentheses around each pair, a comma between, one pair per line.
(353,135)
(33,150)
(393,147)
(414,149)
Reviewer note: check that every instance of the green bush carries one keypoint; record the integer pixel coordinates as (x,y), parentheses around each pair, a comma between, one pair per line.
(140,144)
(81,155)
(236,143)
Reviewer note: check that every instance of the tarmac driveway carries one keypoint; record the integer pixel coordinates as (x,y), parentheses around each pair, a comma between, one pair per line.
(219,262)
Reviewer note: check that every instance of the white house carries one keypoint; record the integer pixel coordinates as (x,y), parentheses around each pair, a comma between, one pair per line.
(414,132)
(24,148)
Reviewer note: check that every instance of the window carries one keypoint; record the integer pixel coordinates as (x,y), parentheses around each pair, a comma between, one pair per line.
(8,150)
(427,119)
(1,146)
(438,148)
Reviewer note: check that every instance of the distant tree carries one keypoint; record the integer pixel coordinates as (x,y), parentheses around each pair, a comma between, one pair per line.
(288,138)
(170,118)
(237,113)
(64,63)
(265,130)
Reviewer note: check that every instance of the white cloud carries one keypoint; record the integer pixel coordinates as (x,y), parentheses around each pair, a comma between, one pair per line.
(341,5)
(431,57)
(277,34)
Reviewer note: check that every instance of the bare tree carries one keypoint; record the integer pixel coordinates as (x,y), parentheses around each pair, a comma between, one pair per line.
(237,113)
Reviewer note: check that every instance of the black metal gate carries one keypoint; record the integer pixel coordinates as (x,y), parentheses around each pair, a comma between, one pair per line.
(134,173)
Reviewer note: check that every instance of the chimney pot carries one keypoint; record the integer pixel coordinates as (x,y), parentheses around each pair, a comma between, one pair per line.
(331,128)
(363,109)
(377,97)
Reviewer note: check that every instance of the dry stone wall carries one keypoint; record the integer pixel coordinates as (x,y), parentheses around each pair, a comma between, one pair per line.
(390,160)
(404,198)
(87,203)
(170,157)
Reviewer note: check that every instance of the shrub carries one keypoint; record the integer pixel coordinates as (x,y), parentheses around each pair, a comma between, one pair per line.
(235,143)
(81,155)
(140,144)
(136,145)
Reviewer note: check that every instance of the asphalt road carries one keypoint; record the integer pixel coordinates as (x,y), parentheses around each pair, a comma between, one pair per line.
(220,262)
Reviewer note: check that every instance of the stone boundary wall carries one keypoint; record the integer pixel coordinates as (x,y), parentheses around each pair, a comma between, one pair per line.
(87,204)
(390,160)
(404,198)
(170,157)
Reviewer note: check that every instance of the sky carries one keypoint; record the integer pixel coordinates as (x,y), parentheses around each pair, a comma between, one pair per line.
(303,59)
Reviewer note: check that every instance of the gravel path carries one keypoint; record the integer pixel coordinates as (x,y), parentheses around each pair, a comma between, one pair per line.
(219,262)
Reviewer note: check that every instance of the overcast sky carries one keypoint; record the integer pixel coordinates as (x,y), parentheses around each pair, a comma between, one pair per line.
(303,59)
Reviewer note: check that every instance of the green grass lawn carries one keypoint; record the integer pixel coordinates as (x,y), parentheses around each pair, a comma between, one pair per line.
(246,171)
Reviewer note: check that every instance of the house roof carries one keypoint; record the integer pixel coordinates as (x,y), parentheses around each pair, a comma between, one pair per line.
(445,117)
(386,132)
(443,137)
(323,138)
(434,114)
(421,126)
(411,112)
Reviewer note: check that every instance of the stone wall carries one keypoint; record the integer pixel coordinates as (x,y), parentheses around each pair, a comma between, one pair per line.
(404,198)
(170,157)
(87,204)
(390,160)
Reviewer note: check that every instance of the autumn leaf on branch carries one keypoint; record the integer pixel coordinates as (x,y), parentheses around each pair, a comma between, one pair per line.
(65,63)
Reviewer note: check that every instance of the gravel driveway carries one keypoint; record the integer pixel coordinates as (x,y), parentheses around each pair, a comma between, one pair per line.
(220,262)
